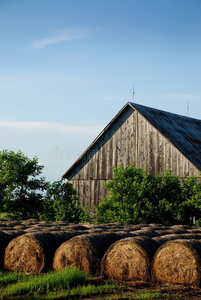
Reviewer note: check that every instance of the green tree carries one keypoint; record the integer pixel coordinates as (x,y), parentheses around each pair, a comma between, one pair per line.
(170,198)
(131,197)
(61,204)
(136,197)
(21,185)
(190,208)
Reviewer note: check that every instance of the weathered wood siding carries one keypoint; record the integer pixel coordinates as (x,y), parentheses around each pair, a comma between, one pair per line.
(132,140)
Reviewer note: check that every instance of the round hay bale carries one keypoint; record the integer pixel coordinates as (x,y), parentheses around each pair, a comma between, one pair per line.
(13,233)
(103,227)
(166,238)
(59,223)
(30,221)
(146,231)
(44,223)
(12,223)
(158,226)
(194,230)
(180,228)
(161,232)
(85,252)
(169,237)
(78,227)
(2,225)
(34,252)
(191,236)
(178,262)
(97,230)
(129,259)
(5,239)
(31,229)
(20,227)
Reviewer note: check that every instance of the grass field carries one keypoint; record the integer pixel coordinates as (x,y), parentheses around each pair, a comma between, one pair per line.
(74,284)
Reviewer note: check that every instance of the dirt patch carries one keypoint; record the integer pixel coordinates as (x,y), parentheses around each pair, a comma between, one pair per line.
(133,289)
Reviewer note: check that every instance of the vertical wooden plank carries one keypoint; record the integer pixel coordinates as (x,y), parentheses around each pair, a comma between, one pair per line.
(155,151)
(101,163)
(114,150)
(191,170)
(150,151)
(118,144)
(129,141)
(80,190)
(120,147)
(111,159)
(95,193)
(140,129)
(132,142)
(174,161)
(94,164)
(142,137)
(91,182)
(108,159)
(101,190)
(145,145)
(168,156)
(161,154)
(136,140)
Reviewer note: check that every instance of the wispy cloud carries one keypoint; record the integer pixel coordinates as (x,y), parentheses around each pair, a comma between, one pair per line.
(58,37)
(48,126)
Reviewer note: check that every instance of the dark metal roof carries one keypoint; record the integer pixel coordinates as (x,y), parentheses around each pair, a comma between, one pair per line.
(183,132)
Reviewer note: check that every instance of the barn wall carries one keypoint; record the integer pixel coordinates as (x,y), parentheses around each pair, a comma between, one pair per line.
(136,141)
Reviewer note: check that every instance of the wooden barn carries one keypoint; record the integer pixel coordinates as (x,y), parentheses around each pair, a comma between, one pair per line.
(149,138)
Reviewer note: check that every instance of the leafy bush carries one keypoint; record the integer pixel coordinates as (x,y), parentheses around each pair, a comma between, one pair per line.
(61,204)
(137,197)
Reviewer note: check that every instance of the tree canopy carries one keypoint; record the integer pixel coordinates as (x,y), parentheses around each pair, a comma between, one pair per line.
(21,184)
(25,193)
(138,197)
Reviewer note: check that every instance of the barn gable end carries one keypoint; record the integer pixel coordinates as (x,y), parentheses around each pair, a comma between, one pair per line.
(147,137)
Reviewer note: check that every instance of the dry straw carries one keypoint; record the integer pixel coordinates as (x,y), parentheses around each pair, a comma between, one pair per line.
(5,238)
(85,252)
(169,237)
(34,252)
(129,259)
(178,262)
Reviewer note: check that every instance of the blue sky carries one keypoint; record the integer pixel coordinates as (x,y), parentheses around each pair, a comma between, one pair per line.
(68,66)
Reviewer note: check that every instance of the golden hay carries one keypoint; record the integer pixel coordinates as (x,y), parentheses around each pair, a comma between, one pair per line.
(85,252)
(178,262)
(5,238)
(169,237)
(180,229)
(60,223)
(78,227)
(166,238)
(147,231)
(34,252)
(129,259)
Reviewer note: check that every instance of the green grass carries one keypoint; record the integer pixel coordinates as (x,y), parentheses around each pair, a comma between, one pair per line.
(53,285)
(43,284)
(12,277)
(65,284)
(87,290)
(145,295)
